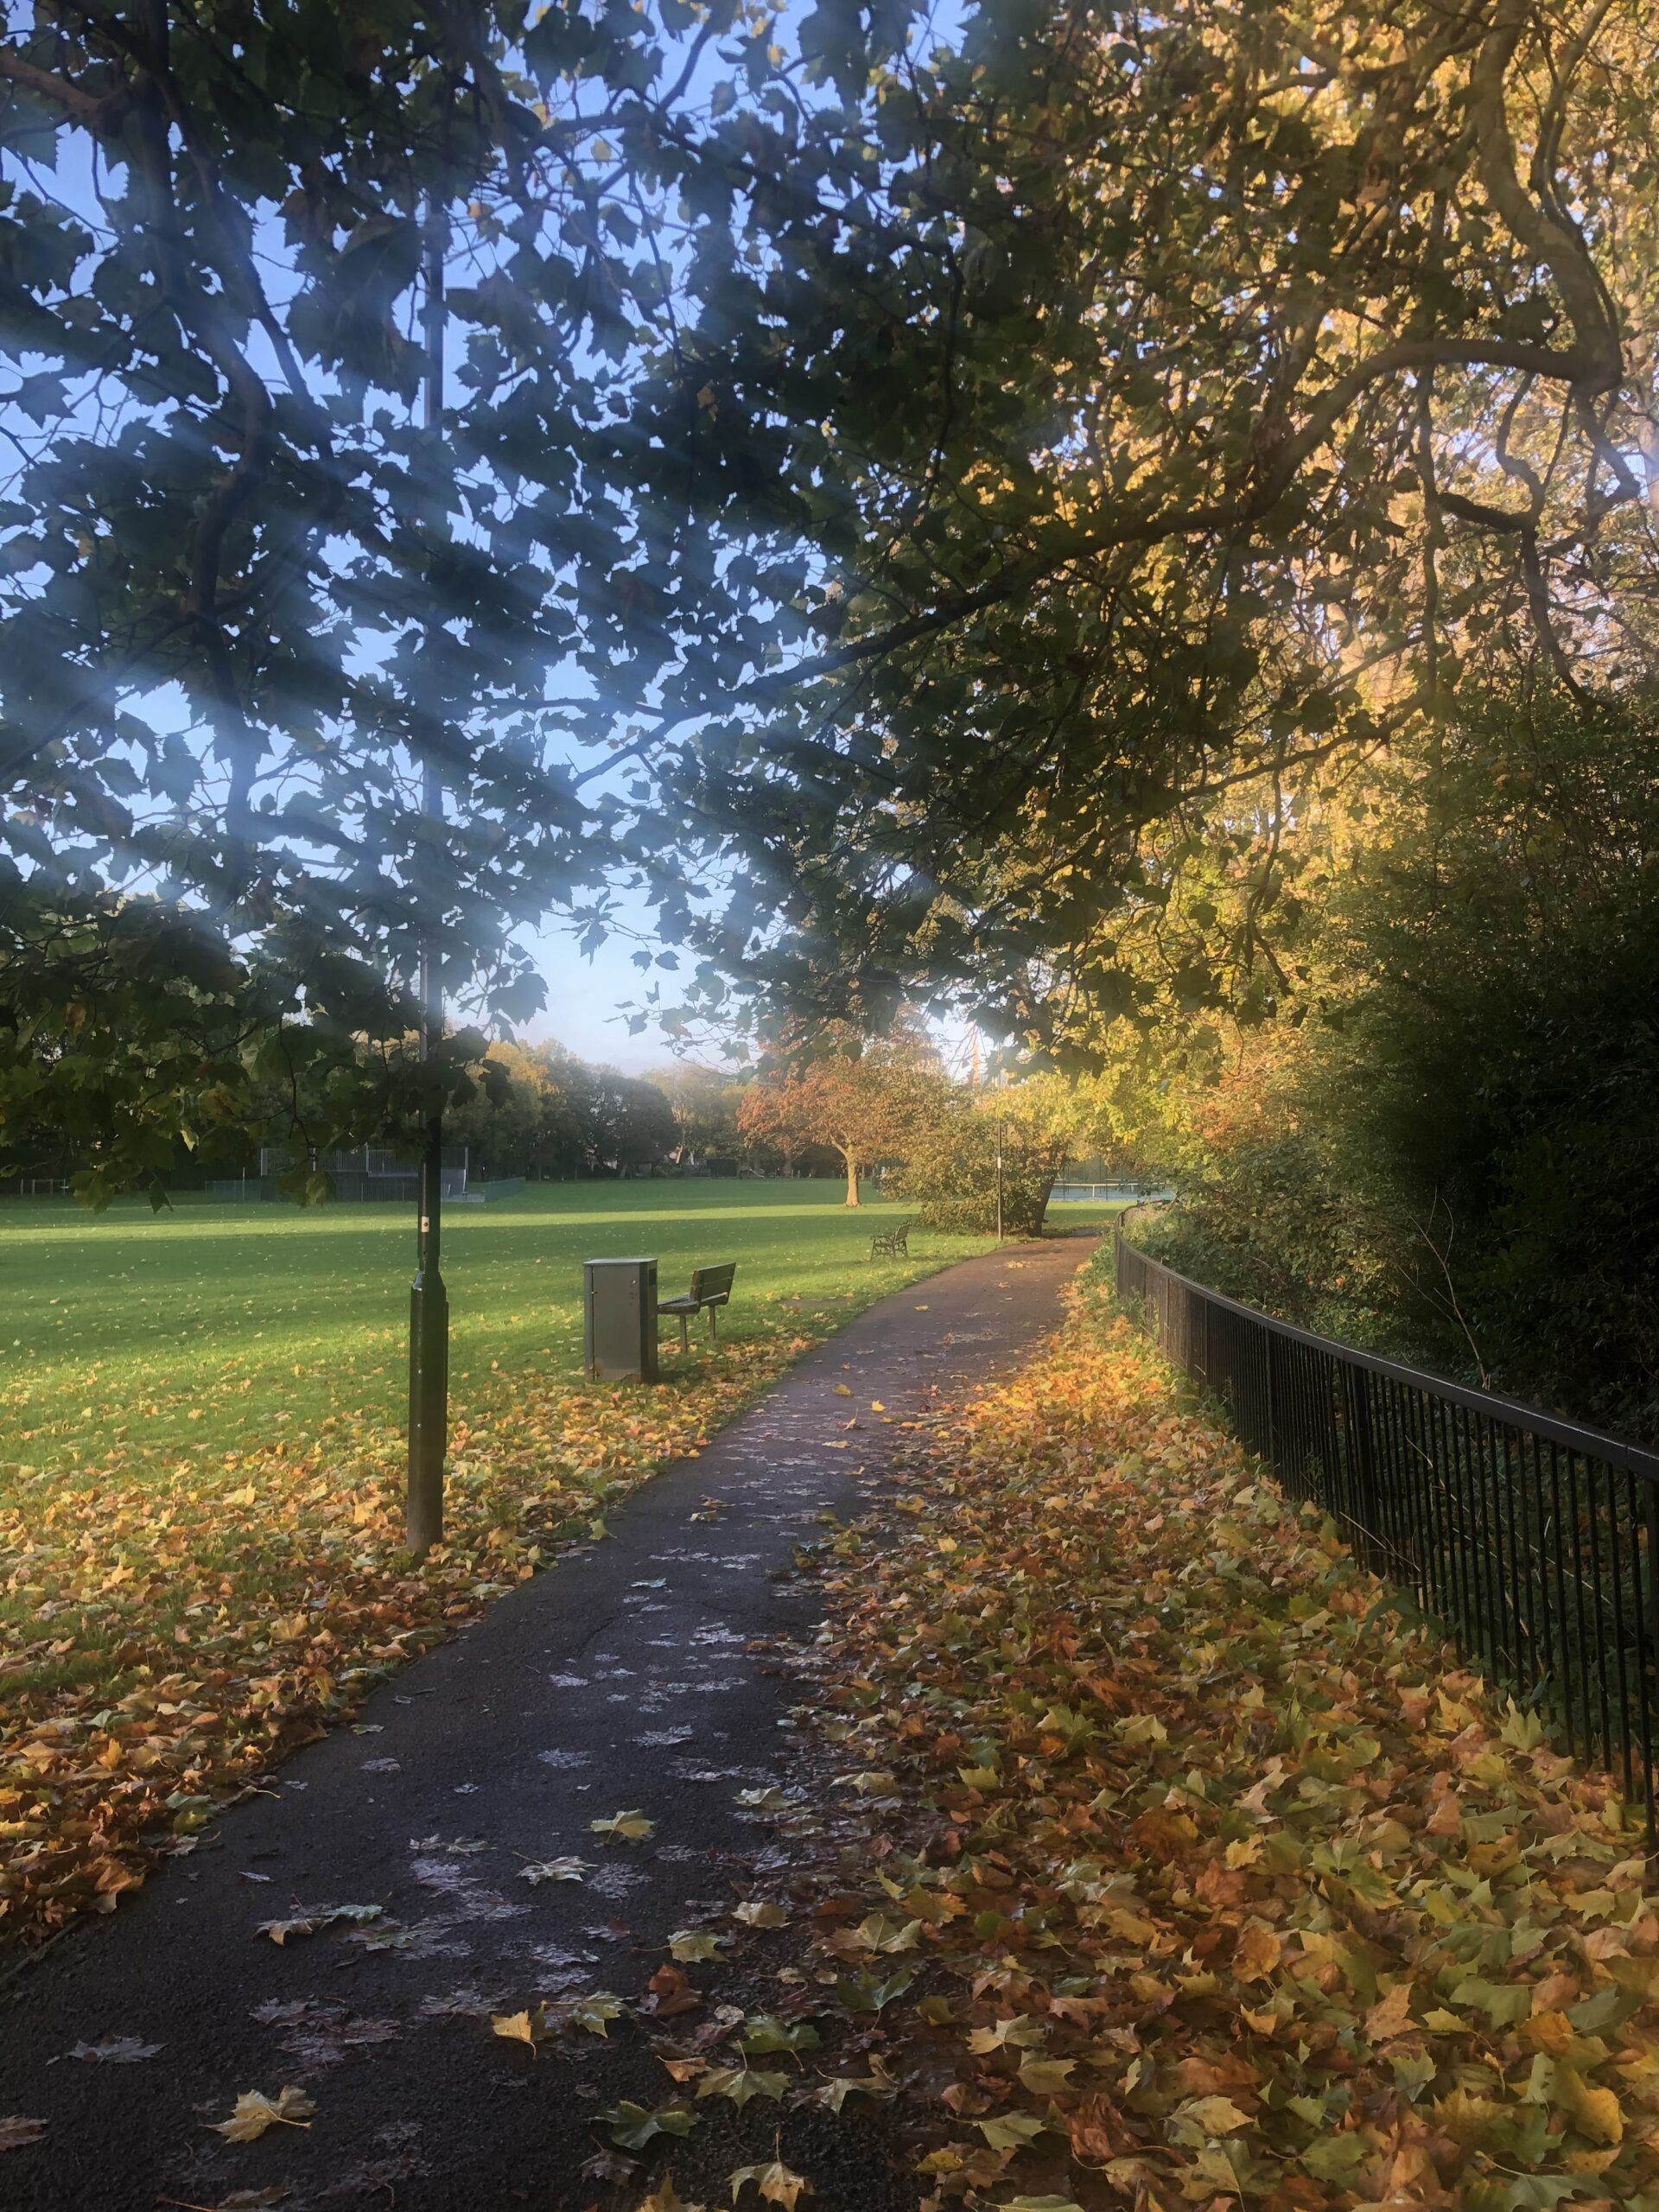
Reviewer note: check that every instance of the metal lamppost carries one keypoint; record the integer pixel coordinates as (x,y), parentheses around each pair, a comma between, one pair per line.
(428,1303)
(1002,1077)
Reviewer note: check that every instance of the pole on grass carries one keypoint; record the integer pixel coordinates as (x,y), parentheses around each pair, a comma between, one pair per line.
(428,1303)
(1002,1079)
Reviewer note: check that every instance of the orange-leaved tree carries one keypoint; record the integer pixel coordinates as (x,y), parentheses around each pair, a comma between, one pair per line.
(863,1100)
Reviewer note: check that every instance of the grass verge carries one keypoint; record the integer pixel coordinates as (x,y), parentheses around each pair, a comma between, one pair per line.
(176,1621)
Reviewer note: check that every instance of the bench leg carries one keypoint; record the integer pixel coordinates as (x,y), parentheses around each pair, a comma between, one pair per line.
(685,1341)
(713,1324)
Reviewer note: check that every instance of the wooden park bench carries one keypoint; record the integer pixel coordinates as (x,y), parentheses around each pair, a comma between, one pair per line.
(710,1288)
(889,1244)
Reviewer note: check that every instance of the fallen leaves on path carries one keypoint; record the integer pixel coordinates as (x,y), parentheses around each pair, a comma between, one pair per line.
(16,2132)
(538,2023)
(527,2027)
(1215,1880)
(777,2183)
(170,1634)
(309,1919)
(666,2198)
(553,1870)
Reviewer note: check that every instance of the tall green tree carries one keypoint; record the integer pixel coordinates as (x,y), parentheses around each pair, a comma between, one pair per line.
(299,684)
(1218,392)
(704,1103)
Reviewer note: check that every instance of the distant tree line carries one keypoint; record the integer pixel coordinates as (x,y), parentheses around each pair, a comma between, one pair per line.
(547,1115)
(536,1110)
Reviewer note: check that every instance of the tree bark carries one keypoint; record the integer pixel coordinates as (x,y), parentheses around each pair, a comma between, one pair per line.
(852,1178)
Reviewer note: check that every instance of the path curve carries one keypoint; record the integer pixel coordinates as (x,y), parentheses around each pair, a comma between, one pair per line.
(640,1672)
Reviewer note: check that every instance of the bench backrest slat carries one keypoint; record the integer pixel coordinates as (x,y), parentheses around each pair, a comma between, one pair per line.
(713,1282)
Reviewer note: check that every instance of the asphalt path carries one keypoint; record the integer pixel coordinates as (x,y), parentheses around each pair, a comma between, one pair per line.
(648,1672)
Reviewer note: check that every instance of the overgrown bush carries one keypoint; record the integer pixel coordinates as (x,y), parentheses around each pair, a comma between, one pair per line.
(950,1176)
(1455,1157)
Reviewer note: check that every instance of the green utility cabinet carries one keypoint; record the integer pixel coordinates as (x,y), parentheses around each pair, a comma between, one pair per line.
(619,1320)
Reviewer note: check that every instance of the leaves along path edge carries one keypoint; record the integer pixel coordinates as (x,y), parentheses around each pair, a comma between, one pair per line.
(642,1681)
(1181,1865)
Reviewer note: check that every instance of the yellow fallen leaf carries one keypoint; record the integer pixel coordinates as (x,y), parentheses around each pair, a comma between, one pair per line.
(777,2182)
(684,2070)
(666,2198)
(690,1944)
(1046,2077)
(1203,2119)
(1596,2112)
(1257,1951)
(627,1828)
(255,2112)
(521,2027)
(1020,2030)
(1390,2015)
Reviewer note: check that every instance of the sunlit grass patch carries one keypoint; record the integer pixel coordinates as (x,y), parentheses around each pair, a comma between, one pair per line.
(184,1600)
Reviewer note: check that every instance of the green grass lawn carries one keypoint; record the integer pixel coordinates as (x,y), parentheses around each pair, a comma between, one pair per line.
(212,1328)
(201,1467)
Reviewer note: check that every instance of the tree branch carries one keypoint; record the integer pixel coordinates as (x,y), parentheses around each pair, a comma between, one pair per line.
(100,113)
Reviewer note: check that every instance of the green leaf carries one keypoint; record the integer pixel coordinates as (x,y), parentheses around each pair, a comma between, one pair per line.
(764,2032)
(1608,2008)
(632,2126)
(593,2012)
(692,1944)
(1337,2159)
(740,2084)
(864,1993)
(1012,2132)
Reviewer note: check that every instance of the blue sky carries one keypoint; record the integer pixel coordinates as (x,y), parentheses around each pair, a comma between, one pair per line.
(583,995)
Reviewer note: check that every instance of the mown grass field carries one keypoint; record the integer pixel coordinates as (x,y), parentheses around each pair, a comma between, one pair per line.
(215,1328)
(201,1469)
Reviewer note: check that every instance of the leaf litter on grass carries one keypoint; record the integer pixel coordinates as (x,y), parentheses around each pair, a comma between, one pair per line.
(1217,1881)
(203,1622)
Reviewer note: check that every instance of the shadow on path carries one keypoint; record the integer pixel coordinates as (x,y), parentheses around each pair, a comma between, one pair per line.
(643,1672)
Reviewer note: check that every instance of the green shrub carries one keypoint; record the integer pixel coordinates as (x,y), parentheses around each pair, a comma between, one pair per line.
(950,1176)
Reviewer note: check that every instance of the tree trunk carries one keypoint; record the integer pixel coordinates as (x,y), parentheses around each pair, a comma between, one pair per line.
(852,1178)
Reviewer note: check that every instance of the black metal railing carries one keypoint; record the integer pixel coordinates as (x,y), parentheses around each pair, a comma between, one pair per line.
(1536,1542)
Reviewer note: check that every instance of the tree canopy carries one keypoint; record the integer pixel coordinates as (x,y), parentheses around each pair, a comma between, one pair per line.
(303,680)
(862,1101)
(894,498)
(1221,393)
